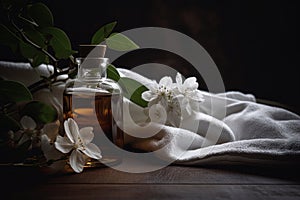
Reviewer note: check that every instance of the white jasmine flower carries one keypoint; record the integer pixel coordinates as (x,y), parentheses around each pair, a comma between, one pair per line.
(188,94)
(30,131)
(189,88)
(176,100)
(159,92)
(79,143)
(27,131)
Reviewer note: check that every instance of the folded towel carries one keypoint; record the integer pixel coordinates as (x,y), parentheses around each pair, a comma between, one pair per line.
(27,75)
(230,129)
(252,133)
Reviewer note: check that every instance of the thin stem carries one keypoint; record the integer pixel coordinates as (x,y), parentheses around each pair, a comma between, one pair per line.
(22,135)
(5,107)
(33,44)
(42,83)
(12,112)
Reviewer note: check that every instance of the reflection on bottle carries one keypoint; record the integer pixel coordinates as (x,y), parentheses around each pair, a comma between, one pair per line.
(93,100)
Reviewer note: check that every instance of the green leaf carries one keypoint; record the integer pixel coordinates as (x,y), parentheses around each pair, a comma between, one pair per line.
(40,14)
(120,42)
(27,50)
(38,59)
(13,91)
(112,73)
(133,90)
(36,37)
(41,113)
(103,33)
(35,56)
(59,41)
(8,124)
(8,38)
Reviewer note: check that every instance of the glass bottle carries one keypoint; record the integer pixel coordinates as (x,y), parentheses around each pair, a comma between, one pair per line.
(93,100)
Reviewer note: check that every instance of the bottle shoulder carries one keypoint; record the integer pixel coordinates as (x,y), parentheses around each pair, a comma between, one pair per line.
(100,86)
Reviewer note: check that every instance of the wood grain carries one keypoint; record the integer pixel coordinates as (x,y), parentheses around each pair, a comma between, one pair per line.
(172,182)
(121,191)
(185,175)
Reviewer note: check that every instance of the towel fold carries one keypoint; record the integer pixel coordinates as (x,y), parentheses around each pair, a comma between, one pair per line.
(252,133)
(230,129)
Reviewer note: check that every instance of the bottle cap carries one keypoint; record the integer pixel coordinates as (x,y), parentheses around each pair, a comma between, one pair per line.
(92,51)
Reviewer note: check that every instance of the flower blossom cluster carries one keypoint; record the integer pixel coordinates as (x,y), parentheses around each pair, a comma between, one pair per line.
(76,144)
(173,101)
(74,148)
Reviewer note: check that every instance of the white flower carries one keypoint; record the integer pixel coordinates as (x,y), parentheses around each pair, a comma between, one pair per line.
(189,88)
(79,142)
(178,99)
(188,94)
(159,92)
(27,131)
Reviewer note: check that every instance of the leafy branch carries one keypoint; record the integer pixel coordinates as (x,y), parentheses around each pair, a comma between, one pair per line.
(26,39)
(29,31)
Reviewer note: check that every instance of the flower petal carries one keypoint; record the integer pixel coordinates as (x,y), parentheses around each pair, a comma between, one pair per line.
(153,86)
(196,95)
(49,151)
(51,130)
(87,134)
(28,123)
(178,98)
(77,161)
(68,131)
(72,130)
(63,144)
(178,79)
(166,81)
(92,151)
(190,83)
(149,96)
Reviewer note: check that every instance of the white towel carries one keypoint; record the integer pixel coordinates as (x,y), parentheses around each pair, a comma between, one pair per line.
(248,133)
(252,133)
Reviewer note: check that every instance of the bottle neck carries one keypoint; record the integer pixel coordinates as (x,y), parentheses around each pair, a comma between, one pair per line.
(92,69)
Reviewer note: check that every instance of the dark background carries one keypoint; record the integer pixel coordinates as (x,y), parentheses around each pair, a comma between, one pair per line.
(255,44)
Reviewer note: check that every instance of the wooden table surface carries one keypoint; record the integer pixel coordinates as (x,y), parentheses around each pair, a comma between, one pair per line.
(172,182)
